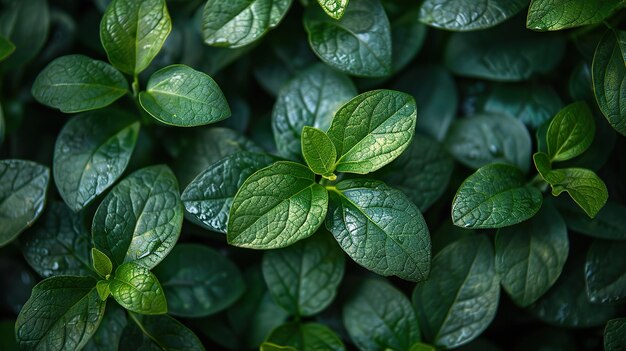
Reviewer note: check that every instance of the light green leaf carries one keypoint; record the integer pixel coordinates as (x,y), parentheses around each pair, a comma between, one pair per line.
(495,196)
(76,83)
(136,289)
(605,271)
(160,332)
(542,164)
(530,256)
(377,316)
(460,299)
(91,153)
(358,44)
(133,31)
(277,206)
(198,281)
(310,99)
(6,47)
(615,335)
(181,96)
(101,263)
(583,185)
(557,15)
(306,337)
(140,219)
(570,132)
(104,289)
(109,333)
(608,224)
(466,15)
(372,129)
(23,187)
(334,8)
(379,228)
(422,347)
(26,24)
(319,152)
(268,346)
(303,278)
(237,23)
(67,311)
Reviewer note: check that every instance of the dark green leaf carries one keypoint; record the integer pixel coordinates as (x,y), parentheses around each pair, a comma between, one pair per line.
(334,8)
(579,84)
(101,263)
(615,335)
(407,38)
(6,48)
(107,337)
(319,152)
(542,164)
(609,223)
(181,96)
(306,337)
(7,336)
(25,23)
(551,15)
(91,153)
(605,271)
(140,219)
(379,228)
(460,298)
(571,132)
(136,289)
(608,73)
(465,15)
(160,332)
(583,185)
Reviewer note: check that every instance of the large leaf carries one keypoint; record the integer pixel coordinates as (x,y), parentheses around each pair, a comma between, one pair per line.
(23,186)
(61,314)
(277,206)
(181,96)
(359,43)
(26,24)
(460,298)
(465,15)
(379,317)
(615,335)
(379,228)
(133,31)
(334,8)
(605,271)
(608,74)
(198,281)
(109,333)
(303,278)
(91,153)
(372,129)
(495,196)
(306,337)
(136,289)
(160,332)
(583,185)
(557,15)
(140,219)
(570,132)
(609,223)
(6,48)
(530,256)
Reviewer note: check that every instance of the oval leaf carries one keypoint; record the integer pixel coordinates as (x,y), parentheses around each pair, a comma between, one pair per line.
(138,290)
(605,271)
(26,23)
(465,15)
(334,8)
(160,332)
(583,185)
(319,152)
(571,132)
(305,337)
(110,330)
(551,15)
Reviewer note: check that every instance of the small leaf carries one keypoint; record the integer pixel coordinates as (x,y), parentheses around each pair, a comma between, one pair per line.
(495,196)
(542,164)
(181,96)
(159,332)
(104,289)
(268,346)
(306,337)
(76,83)
(138,290)
(319,152)
(605,271)
(334,8)
(551,15)
(615,335)
(101,263)
(6,48)
(466,15)
(571,132)
(583,185)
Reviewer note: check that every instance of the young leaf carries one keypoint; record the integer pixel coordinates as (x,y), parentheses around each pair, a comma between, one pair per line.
(571,132)
(23,187)
(237,23)
(583,185)
(26,24)
(377,316)
(609,222)
(68,312)
(140,219)
(303,278)
(104,289)
(551,15)
(608,73)
(319,152)
(181,96)
(379,228)
(542,164)
(530,256)
(460,298)
(110,330)
(160,332)
(136,289)
(495,196)
(306,337)
(101,263)
(358,44)
(6,48)
(277,206)
(268,346)
(372,129)
(198,281)
(334,8)
(76,83)
(466,15)
(605,271)
(133,31)
(615,335)
(91,153)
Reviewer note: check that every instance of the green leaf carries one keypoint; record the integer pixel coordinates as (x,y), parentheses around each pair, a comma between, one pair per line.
(407,38)
(495,196)
(378,316)
(277,206)
(551,15)
(59,244)
(303,278)
(460,298)
(422,347)
(615,335)
(542,164)
(101,263)
(489,138)
(160,332)
(309,99)
(237,23)
(608,74)
(306,337)
(109,333)
(133,31)
(23,187)
(372,129)
(379,228)
(67,311)
(181,96)
(2,126)
(76,83)
(136,289)
(334,8)
(140,219)
(531,255)
(358,44)
(319,152)
(605,271)
(25,23)
(609,222)
(91,153)
(268,346)
(466,15)
(104,289)
(583,185)
(198,281)
(570,132)
(6,48)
